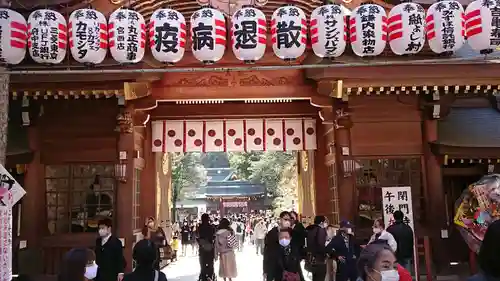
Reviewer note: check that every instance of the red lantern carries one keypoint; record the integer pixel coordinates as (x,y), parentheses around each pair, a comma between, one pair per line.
(368,30)
(289,32)
(208,33)
(328,31)
(88,36)
(248,34)
(167,35)
(127,36)
(481,34)
(13,37)
(47,39)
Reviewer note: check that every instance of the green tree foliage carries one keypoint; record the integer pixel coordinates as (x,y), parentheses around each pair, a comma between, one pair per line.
(287,196)
(266,168)
(187,172)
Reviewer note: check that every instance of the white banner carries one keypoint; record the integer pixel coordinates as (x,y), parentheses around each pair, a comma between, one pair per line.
(235,204)
(394,199)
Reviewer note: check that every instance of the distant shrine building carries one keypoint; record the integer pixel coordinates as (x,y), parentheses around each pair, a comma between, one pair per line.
(223,194)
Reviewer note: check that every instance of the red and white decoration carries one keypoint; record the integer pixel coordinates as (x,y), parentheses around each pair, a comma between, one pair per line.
(47,36)
(248,34)
(167,35)
(406,28)
(328,31)
(368,30)
(208,35)
(13,37)
(88,36)
(127,36)
(480,16)
(445,30)
(234,135)
(289,32)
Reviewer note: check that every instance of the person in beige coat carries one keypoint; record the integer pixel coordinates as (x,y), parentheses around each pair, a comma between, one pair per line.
(223,251)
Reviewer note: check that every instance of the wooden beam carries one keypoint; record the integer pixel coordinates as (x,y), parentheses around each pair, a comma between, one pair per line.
(51,86)
(410,75)
(233,110)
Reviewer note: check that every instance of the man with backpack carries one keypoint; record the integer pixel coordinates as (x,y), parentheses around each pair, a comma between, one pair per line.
(239,229)
(315,248)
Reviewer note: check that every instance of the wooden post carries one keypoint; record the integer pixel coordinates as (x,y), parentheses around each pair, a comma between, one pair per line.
(5,214)
(124,206)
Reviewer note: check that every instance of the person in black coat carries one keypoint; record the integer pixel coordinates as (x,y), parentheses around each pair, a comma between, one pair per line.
(403,234)
(145,256)
(316,248)
(299,233)
(205,236)
(109,253)
(271,243)
(346,251)
(287,259)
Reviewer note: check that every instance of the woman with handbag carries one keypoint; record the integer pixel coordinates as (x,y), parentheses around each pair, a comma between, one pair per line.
(225,243)
(286,267)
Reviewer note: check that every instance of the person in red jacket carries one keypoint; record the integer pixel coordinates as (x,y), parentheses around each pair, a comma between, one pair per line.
(404,275)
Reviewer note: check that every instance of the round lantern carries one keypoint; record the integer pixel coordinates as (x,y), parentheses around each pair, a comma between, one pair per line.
(13,37)
(406,28)
(88,36)
(127,36)
(328,31)
(482,23)
(289,32)
(445,26)
(208,35)
(47,36)
(248,34)
(167,35)
(368,30)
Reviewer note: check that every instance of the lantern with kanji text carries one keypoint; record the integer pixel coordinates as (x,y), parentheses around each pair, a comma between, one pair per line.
(167,35)
(368,30)
(208,35)
(406,28)
(445,26)
(13,37)
(328,29)
(482,24)
(289,32)
(248,34)
(127,36)
(88,36)
(47,36)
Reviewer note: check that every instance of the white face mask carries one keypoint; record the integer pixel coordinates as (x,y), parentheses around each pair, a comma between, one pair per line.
(389,275)
(284,242)
(377,230)
(103,232)
(91,271)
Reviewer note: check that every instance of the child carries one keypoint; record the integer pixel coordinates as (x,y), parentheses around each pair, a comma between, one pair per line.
(175,246)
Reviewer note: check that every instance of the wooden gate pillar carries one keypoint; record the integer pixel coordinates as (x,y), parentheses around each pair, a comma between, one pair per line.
(125,190)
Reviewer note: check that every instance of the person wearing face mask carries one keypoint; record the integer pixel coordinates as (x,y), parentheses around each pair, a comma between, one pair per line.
(109,254)
(379,232)
(345,250)
(286,264)
(78,264)
(377,262)
(271,241)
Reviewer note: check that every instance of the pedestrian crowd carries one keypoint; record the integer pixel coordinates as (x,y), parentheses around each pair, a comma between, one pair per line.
(329,253)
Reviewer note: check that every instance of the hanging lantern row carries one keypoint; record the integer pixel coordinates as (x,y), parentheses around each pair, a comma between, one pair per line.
(125,34)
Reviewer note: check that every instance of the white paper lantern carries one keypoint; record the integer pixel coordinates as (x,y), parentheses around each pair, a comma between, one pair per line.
(167,35)
(445,26)
(482,23)
(248,34)
(289,32)
(47,36)
(328,31)
(127,36)
(368,30)
(88,36)
(406,28)
(208,35)
(13,36)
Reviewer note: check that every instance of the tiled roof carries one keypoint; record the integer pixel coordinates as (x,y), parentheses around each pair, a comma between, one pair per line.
(470,127)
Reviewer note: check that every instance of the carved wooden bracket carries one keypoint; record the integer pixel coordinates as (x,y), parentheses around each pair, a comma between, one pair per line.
(342,115)
(136,90)
(436,106)
(331,88)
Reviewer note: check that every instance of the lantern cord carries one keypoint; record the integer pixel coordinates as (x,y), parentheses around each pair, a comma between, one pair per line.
(489,60)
